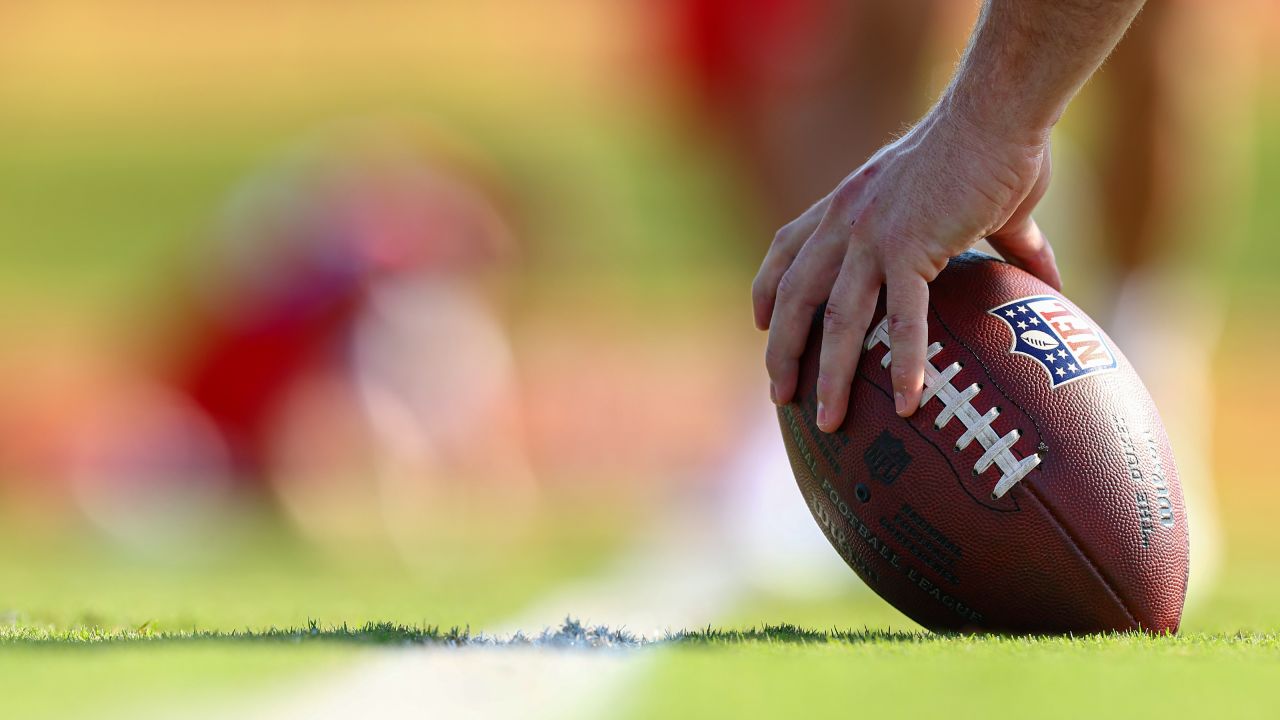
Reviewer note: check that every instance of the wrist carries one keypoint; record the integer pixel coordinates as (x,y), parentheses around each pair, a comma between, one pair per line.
(1027,59)
(996,119)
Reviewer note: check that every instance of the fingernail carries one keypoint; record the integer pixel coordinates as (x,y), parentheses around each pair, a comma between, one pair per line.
(900,403)
(822,415)
(773,393)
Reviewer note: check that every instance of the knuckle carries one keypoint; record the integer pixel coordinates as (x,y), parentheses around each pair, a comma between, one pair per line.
(790,287)
(922,258)
(906,324)
(835,321)
(846,196)
(784,234)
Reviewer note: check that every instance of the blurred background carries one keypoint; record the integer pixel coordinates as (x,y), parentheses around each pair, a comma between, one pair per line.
(438,312)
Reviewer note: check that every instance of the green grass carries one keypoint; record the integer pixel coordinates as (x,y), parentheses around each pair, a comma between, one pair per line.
(781,672)
(764,671)
(88,626)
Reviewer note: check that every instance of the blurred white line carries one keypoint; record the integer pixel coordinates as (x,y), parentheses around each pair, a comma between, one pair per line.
(692,569)
(467,682)
(568,672)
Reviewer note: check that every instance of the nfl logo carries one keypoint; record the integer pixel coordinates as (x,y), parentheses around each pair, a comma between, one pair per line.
(1058,337)
(886,458)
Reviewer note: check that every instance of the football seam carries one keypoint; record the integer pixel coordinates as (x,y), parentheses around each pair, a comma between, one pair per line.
(1079,549)
(1041,447)
(1062,527)
(947,456)
(986,369)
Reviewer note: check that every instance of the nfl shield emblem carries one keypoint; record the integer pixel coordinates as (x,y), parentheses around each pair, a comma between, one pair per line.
(886,458)
(1058,337)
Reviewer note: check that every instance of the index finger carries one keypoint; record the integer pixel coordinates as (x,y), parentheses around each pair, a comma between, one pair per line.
(782,252)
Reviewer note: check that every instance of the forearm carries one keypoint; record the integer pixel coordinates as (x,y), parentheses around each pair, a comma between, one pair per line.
(1028,58)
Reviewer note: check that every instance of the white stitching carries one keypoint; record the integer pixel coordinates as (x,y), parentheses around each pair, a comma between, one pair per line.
(973,430)
(953,402)
(958,403)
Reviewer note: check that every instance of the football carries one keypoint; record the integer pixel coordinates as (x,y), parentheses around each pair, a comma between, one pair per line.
(1033,491)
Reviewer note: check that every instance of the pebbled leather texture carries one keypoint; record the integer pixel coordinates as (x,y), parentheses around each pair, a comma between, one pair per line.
(1092,540)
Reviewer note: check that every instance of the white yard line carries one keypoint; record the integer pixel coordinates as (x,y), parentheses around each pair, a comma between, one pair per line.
(524,671)
(687,576)
(468,682)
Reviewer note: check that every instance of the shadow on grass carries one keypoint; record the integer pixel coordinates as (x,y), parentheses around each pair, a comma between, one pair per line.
(390,634)
(787,634)
(571,634)
(798,636)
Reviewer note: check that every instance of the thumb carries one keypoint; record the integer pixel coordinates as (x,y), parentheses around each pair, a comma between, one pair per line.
(1023,245)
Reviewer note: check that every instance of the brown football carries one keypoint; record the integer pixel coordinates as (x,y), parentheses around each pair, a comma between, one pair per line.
(1034,490)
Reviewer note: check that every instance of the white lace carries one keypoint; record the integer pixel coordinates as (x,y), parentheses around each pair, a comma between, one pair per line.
(957,403)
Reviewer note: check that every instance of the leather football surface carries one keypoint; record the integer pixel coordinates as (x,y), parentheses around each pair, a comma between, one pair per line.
(1034,491)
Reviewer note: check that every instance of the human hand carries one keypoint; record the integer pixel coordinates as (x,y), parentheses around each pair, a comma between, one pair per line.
(895,222)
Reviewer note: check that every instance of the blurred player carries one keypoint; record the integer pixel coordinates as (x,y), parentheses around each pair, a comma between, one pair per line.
(354,347)
(340,349)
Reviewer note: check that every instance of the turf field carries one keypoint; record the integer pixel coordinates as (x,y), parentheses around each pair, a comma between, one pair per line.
(117,154)
(90,629)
